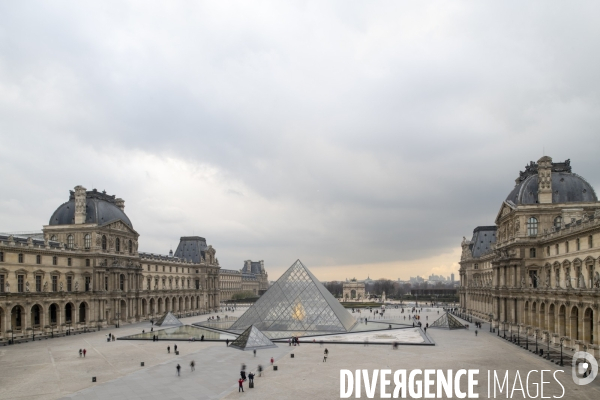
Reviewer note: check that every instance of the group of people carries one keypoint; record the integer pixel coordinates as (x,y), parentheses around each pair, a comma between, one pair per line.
(174,348)
(110,337)
(82,352)
(178,367)
(250,376)
(294,341)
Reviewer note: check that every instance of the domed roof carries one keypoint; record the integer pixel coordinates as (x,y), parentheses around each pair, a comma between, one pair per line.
(100,209)
(567,187)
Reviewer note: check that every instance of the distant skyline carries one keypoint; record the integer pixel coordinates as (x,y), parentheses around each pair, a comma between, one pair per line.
(365,139)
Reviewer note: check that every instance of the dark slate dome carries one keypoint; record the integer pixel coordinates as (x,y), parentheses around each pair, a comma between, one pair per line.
(567,187)
(100,209)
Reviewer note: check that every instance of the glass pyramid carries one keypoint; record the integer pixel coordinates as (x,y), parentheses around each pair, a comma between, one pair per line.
(252,339)
(168,320)
(447,321)
(297,302)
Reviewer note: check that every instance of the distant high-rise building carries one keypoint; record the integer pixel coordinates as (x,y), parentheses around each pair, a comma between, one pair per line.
(452,277)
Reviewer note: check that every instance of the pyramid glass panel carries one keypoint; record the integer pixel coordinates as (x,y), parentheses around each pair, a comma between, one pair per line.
(447,321)
(252,339)
(297,302)
(168,320)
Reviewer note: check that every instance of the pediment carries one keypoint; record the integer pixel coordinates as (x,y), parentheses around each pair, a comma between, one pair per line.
(119,225)
(505,210)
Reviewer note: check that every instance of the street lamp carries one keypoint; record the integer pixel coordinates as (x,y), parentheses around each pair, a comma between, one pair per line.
(518,335)
(504,328)
(491,319)
(548,348)
(118,315)
(527,338)
(537,332)
(561,351)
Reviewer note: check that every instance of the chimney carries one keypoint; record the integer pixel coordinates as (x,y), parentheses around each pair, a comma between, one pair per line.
(545,180)
(80,204)
(121,204)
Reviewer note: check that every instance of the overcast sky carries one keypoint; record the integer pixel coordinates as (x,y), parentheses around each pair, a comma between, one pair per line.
(365,138)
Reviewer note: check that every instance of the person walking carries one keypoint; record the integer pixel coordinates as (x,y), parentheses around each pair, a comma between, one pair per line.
(178,369)
(84,351)
(325,354)
(251,378)
(260,368)
(80,352)
(175,348)
(240,385)
(272,360)
(193,365)
(227,344)
(475,332)
(168,349)
(254,351)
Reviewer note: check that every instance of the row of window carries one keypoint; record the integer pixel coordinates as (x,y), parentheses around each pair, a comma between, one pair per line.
(532,225)
(38,259)
(164,283)
(87,243)
(532,251)
(170,269)
(22,285)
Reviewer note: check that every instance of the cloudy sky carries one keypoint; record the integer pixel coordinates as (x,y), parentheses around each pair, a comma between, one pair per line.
(365,138)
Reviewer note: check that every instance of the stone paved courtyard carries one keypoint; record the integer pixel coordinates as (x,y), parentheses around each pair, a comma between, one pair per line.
(52,369)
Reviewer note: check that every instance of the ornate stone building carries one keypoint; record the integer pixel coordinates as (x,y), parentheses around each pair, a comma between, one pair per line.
(353,290)
(84,271)
(251,278)
(536,270)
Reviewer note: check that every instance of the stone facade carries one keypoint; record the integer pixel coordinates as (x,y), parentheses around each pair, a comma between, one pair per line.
(251,278)
(84,271)
(538,270)
(353,290)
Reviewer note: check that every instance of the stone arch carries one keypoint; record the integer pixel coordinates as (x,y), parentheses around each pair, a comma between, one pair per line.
(542,320)
(160,305)
(69,312)
(534,315)
(53,314)
(17,318)
(2,321)
(180,305)
(37,313)
(574,323)
(144,307)
(526,313)
(552,318)
(562,320)
(588,326)
(152,304)
(168,304)
(84,311)
(123,311)
(197,302)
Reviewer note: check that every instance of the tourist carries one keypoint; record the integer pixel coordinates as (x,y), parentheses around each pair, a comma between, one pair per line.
(226,342)
(251,378)
(84,351)
(243,374)
(168,349)
(259,369)
(202,338)
(254,351)
(175,348)
(272,360)
(240,385)
(325,354)
(475,332)
(80,352)
(193,365)
(178,369)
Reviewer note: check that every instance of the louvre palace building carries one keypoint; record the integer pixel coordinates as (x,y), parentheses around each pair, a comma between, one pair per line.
(84,271)
(536,270)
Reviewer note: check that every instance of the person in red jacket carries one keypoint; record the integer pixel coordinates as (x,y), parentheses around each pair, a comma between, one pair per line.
(241,385)
(272,361)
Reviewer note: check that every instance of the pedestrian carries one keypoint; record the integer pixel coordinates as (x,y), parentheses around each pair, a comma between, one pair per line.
(152,329)
(260,368)
(254,352)
(240,385)
(289,341)
(80,352)
(272,360)
(175,348)
(84,351)
(178,369)
(325,354)
(227,344)
(193,365)
(251,377)
(168,349)
(143,331)
(113,338)
(475,332)
(243,374)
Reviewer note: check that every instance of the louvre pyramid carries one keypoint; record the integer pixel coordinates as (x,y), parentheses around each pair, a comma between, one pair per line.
(168,320)
(297,302)
(252,339)
(447,321)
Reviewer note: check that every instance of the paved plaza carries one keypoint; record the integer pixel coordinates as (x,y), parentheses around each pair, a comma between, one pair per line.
(52,369)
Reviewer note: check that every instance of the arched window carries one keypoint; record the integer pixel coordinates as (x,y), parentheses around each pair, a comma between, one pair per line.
(87,241)
(122,282)
(70,242)
(103,242)
(532,226)
(118,244)
(557,222)
(130,247)
(53,238)
(590,242)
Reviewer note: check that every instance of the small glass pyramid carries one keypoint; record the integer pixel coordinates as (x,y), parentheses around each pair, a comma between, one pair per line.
(447,321)
(252,339)
(297,302)
(168,320)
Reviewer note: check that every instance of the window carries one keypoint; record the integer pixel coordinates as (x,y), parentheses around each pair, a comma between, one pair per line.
(87,262)
(163,268)
(69,262)
(53,238)
(103,242)
(130,247)
(567,246)
(176,269)
(557,222)
(577,244)
(197,284)
(70,242)
(170,269)
(532,253)
(556,249)
(21,258)
(54,260)
(106,283)
(88,283)
(53,314)
(1,256)
(69,283)
(548,251)
(156,283)
(20,283)
(118,244)
(148,268)
(532,226)
(87,241)
(122,282)
(55,283)
(590,242)
(197,271)
(476,266)
(149,283)
(2,283)
(38,259)
(38,283)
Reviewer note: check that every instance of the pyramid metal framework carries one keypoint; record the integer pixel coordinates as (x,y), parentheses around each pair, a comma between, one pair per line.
(168,320)
(297,302)
(252,339)
(447,321)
